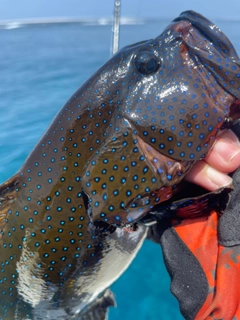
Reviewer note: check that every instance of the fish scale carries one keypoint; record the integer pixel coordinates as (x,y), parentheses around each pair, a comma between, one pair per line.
(71,217)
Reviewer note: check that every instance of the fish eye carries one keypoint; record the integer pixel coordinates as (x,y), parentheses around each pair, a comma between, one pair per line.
(146,63)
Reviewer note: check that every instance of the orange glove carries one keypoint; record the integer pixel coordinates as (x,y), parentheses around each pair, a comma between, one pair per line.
(202,255)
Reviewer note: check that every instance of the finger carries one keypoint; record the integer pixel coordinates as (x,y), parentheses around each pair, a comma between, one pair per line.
(223,158)
(207,177)
(225,155)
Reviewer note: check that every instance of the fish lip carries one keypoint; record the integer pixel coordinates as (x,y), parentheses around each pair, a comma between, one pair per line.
(209,31)
(199,22)
(209,47)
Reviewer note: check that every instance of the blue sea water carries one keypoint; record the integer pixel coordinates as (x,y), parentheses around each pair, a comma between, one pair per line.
(40,68)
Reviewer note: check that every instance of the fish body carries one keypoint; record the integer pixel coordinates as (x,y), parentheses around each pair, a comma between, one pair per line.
(70,218)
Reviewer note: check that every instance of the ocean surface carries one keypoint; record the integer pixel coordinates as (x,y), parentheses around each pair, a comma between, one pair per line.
(41,66)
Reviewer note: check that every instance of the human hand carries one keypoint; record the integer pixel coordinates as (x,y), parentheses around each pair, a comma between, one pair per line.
(212,172)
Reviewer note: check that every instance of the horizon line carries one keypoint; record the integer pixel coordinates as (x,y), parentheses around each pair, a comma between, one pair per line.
(101,20)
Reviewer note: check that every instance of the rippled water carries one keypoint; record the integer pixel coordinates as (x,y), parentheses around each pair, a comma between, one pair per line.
(40,67)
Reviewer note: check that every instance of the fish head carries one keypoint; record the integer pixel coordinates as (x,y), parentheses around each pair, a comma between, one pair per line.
(176,93)
(187,99)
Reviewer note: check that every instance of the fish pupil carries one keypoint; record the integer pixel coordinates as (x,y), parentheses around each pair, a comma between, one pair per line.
(151,65)
(146,63)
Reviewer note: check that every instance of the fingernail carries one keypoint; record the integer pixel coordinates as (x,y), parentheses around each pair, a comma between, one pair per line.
(229,147)
(217,178)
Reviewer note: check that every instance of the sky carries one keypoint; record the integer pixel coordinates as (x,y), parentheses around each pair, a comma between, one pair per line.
(22,9)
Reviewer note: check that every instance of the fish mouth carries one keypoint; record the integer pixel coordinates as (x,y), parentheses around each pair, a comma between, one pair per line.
(209,46)
(204,26)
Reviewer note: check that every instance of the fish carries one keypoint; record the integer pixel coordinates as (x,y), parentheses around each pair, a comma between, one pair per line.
(71,218)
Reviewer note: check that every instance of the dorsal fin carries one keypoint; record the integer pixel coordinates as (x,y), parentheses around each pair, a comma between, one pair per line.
(7,197)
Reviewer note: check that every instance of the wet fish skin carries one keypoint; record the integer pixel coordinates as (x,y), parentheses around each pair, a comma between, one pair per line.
(119,146)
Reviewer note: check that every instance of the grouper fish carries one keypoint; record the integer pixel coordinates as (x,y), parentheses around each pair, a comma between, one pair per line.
(71,218)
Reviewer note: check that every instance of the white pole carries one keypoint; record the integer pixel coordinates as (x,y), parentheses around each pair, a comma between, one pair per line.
(116,24)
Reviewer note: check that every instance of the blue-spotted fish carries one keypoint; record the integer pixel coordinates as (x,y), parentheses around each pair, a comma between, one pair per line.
(70,218)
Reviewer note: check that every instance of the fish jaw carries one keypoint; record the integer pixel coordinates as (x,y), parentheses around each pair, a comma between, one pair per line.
(213,48)
(208,46)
